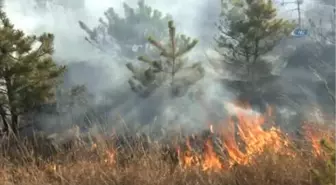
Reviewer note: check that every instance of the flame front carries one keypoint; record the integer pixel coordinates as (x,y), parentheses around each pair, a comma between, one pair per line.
(314,136)
(210,160)
(239,141)
(254,140)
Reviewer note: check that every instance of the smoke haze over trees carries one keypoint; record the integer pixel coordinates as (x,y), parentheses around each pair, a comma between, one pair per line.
(96,45)
(248,32)
(127,34)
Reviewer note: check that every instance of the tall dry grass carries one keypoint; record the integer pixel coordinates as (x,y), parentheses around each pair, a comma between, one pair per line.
(138,161)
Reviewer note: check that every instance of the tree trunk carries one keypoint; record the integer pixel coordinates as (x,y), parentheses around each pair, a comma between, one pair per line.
(5,124)
(4,120)
(14,116)
(15,124)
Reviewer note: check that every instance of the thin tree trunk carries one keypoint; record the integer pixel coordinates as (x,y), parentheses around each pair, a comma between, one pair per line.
(4,120)
(5,123)
(15,124)
(14,116)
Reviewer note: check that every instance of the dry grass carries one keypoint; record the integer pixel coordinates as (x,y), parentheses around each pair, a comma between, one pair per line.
(37,164)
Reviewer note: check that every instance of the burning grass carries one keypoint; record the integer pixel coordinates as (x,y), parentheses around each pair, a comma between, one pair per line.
(237,151)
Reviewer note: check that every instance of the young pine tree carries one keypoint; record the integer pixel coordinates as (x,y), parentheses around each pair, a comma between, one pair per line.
(169,68)
(27,72)
(248,30)
(127,33)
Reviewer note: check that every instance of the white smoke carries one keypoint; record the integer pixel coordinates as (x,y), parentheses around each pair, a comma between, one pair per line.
(70,45)
(192,17)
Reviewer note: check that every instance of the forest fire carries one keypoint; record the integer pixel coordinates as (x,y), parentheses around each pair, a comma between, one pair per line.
(236,141)
(253,141)
(211,160)
(240,144)
(314,136)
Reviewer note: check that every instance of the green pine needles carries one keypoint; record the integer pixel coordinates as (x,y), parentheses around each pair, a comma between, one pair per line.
(28,74)
(170,67)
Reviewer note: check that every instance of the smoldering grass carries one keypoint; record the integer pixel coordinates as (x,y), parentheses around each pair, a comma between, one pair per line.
(125,158)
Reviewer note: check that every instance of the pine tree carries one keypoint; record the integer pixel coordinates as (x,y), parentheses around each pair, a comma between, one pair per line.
(249,35)
(168,68)
(248,31)
(27,72)
(127,33)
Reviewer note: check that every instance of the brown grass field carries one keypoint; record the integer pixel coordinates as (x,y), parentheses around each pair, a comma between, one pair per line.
(246,154)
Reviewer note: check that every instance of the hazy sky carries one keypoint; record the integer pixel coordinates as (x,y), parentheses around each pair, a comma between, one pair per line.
(191,16)
(70,38)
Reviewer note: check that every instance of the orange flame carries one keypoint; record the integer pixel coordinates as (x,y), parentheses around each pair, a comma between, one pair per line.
(211,160)
(241,141)
(254,138)
(110,157)
(315,135)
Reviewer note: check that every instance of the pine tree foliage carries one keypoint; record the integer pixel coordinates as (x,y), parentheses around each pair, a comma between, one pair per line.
(248,31)
(170,67)
(129,33)
(27,71)
(326,175)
